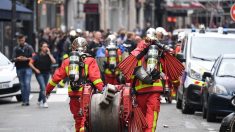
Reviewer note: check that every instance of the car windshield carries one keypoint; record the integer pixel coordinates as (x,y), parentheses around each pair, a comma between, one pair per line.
(209,48)
(227,68)
(4,61)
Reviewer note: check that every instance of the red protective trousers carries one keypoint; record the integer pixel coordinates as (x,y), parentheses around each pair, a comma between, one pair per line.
(150,106)
(75,108)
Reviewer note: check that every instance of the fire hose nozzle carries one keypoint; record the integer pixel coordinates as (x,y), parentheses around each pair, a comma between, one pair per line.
(108,95)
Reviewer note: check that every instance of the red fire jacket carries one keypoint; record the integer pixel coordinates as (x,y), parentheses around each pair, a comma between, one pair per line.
(91,70)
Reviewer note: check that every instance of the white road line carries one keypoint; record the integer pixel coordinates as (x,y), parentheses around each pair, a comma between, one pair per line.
(57,98)
(210,129)
(190,125)
(205,124)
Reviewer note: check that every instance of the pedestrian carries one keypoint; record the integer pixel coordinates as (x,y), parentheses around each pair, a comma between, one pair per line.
(95,44)
(41,64)
(130,43)
(22,53)
(88,73)
(96,49)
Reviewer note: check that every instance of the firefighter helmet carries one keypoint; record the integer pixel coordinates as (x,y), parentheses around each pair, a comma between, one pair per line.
(111,41)
(72,35)
(80,44)
(161,30)
(181,36)
(151,33)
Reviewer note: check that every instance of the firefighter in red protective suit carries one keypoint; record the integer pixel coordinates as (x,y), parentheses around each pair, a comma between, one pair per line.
(80,68)
(146,81)
(113,56)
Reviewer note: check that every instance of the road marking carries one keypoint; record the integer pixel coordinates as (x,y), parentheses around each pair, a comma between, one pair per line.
(205,124)
(210,129)
(190,125)
(57,98)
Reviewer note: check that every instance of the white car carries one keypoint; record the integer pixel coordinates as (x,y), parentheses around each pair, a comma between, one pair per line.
(9,82)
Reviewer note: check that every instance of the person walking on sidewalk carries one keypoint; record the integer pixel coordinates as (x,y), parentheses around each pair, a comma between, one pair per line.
(41,64)
(21,55)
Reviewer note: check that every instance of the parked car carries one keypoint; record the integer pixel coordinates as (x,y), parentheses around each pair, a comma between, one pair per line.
(200,50)
(219,88)
(9,82)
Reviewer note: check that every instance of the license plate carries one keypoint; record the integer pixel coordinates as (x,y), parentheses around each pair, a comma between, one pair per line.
(4,85)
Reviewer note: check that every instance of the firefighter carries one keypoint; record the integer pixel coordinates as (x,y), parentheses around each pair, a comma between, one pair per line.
(113,56)
(67,49)
(81,69)
(146,83)
(178,46)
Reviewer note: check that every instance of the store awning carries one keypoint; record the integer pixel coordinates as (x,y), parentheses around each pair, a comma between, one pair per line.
(174,6)
(22,13)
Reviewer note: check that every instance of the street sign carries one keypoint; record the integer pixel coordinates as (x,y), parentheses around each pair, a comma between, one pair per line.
(232,12)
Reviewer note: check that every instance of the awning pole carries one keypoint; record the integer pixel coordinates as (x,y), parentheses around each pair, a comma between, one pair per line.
(13,24)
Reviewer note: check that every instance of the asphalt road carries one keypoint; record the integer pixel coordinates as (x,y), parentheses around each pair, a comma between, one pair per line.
(57,118)
(172,120)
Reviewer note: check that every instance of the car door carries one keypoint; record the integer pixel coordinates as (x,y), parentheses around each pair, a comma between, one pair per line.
(209,83)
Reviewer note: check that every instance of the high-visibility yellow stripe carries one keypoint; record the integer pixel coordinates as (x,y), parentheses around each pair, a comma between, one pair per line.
(70,89)
(65,56)
(67,70)
(155,121)
(112,59)
(62,84)
(86,69)
(82,129)
(107,71)
(52,83)
(139,63)
(141,86)
(120,58)
(97,81)
(176,81)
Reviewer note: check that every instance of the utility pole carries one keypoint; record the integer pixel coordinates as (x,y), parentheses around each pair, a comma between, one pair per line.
(13,25)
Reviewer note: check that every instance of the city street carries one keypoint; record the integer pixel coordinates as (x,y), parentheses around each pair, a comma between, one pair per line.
(57,117)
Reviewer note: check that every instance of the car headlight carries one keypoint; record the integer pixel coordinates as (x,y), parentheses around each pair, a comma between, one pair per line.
(218,89)
(15,80)
(195,75)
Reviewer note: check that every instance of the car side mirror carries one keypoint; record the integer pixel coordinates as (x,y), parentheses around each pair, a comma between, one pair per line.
(180,57)
(205,75)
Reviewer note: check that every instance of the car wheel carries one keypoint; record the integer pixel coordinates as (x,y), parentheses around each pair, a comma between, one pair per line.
(204,112)
(178,103)
(186,108)
(210,117)
(19,98)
